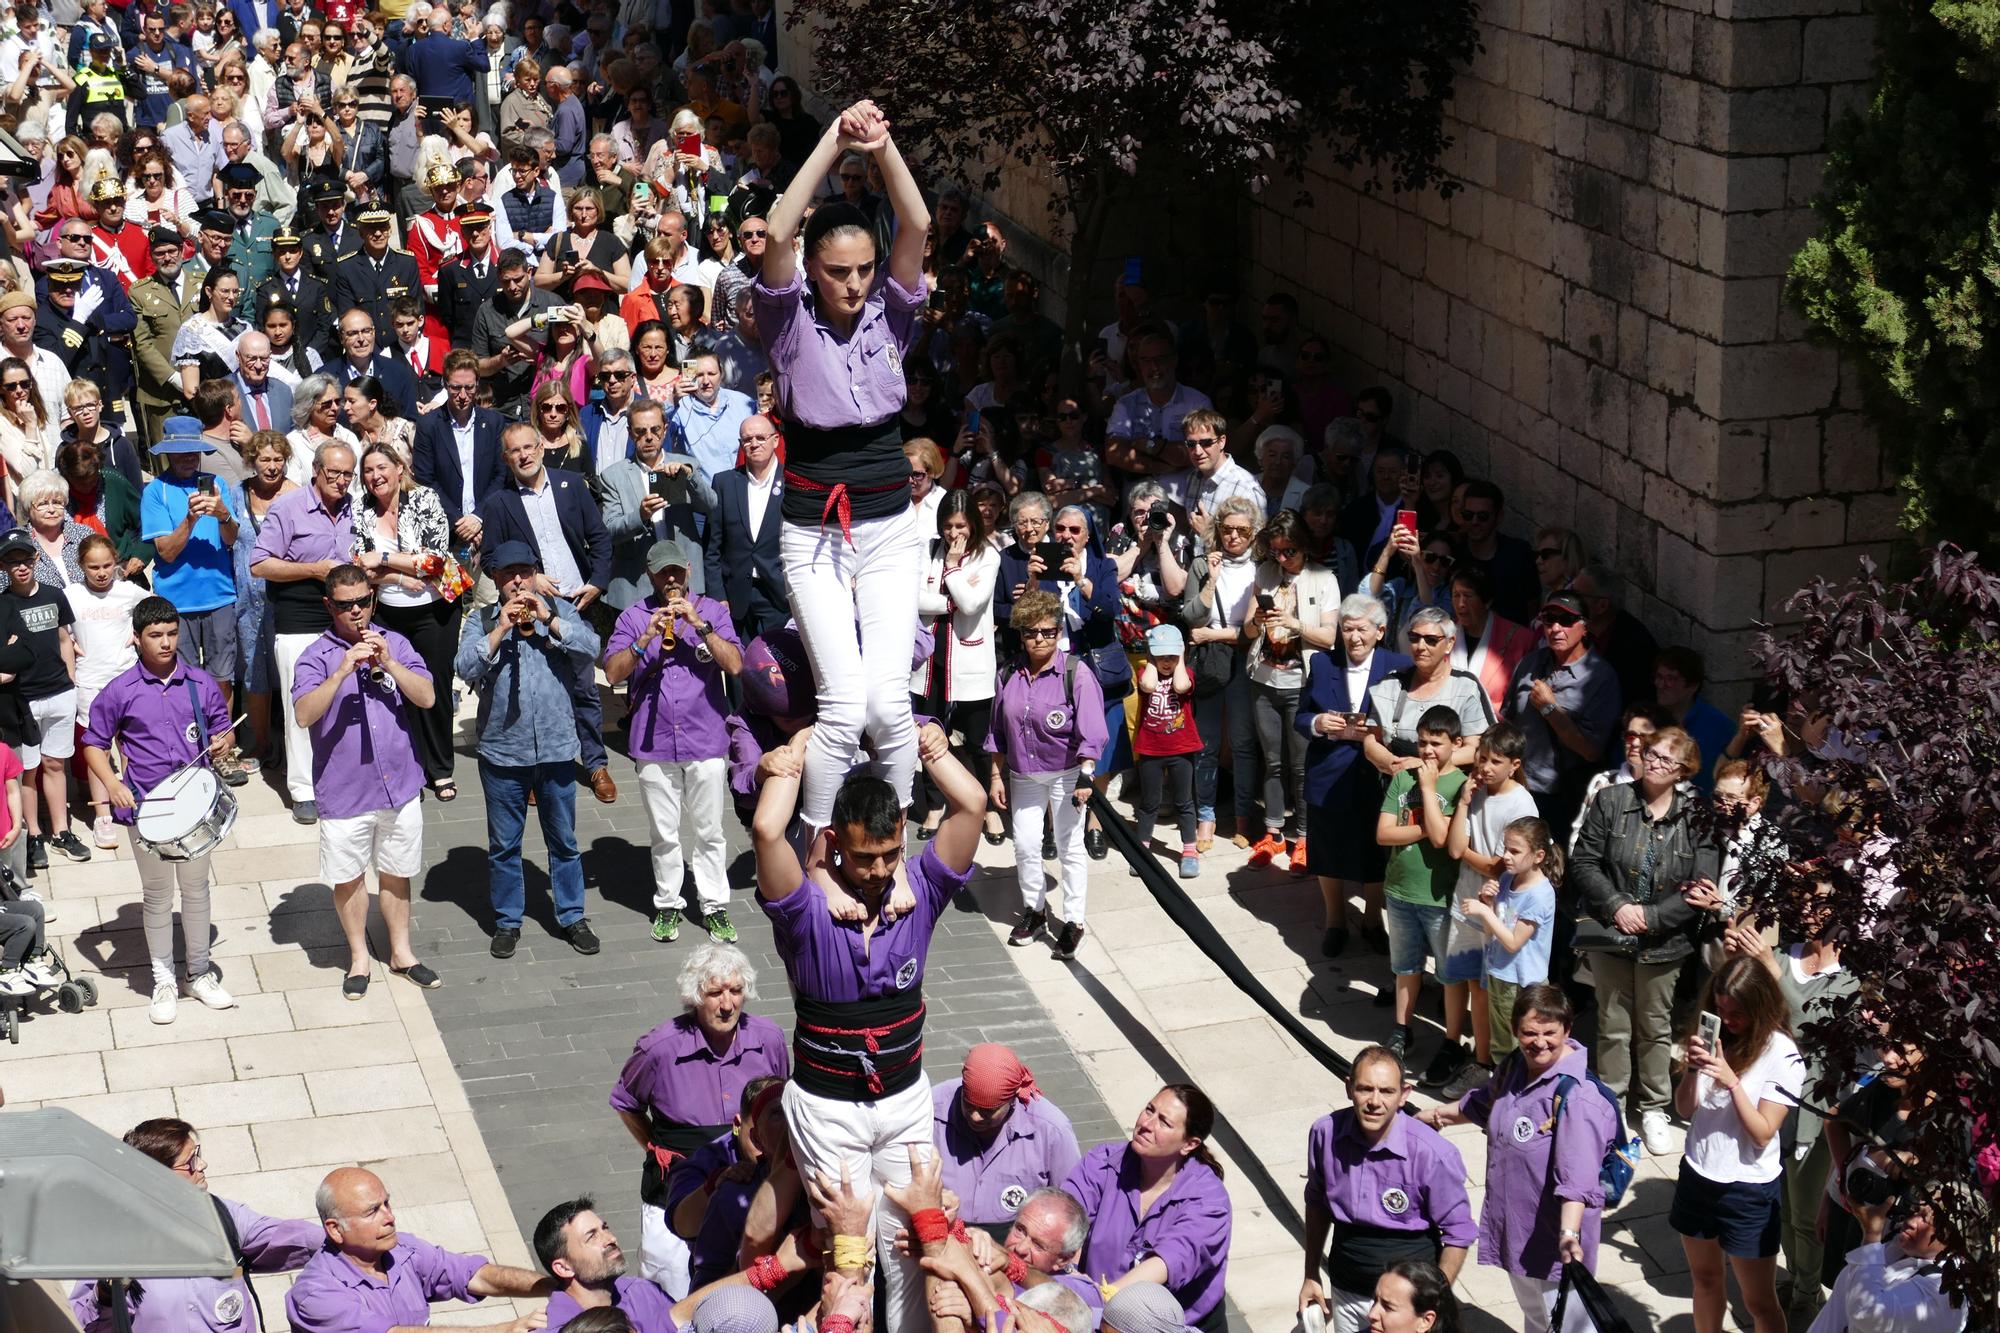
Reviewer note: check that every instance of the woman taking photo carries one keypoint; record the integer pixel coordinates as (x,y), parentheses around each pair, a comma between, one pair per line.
(1424,580)
(155,196)
(403,540)
(205,347)
(1296,617)
(269,454)
(587,247)
(851,544)
(1636,869)
(956,684)
(1544,1200)
(313,148)
(562,352)
(1157,1208)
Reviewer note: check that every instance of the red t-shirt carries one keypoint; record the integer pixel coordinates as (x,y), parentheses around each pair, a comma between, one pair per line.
(1166,723)
(10,771)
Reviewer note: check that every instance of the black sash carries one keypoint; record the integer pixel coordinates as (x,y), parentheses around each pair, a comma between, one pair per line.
(1362,1253)
(672,1139)
(859,1050)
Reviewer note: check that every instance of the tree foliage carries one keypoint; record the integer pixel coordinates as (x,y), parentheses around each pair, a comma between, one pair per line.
(1905,275)
(1899,812)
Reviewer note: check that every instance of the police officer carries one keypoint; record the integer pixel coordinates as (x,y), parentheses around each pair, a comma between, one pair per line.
(250,234)
(330,237)
(160,303)
(376,274)
(100,86)
(295,285)
(467,280)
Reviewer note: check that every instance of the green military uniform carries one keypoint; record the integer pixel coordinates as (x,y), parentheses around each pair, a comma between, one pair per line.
(161,308)
(250,255)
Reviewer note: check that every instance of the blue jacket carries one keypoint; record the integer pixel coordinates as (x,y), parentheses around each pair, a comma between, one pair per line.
(504,519)
(444,67)
(434,458)
(393,371)
(277,398)
(254,14)
(1328,762)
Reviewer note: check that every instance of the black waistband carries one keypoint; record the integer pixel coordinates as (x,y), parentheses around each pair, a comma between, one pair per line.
(678,1139)
(1361,1253)
(859,1050)
(867,459)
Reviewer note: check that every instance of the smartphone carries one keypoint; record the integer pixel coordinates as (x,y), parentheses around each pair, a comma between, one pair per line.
(689,144)
(1053,554)
(205,482)
(1135,272)
(1407,520)
(1266,602)
(1711,1032)
(672,489)
(972,421)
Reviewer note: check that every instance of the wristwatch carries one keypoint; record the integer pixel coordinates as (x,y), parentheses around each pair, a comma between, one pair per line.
(1546,709)
(703,629)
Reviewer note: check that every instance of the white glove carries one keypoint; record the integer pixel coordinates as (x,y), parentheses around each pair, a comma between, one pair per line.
(87,301)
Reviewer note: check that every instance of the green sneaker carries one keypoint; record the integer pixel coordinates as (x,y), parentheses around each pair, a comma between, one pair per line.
(718,927)
(667,925)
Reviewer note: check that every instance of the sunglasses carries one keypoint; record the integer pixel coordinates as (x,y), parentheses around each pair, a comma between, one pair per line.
(1284,552)
(613,376)
(15,386)
(1433,558)
(1548,553)
(1561,620)
(153,176)
(1032,635)
(1071,415)
(1235,530)
(1479,516)
(341,605)
(752,235)
(1427,640)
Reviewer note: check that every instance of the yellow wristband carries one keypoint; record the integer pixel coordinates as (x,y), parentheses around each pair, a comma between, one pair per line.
(851,1252)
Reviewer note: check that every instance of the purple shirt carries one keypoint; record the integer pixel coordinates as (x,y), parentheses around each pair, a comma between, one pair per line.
(825,958)
(364,756)
(827,381)
(690,1173)
(1188,1229)
(672,1072)
(1520,1219)
(678,706)
(650,1309)
(1413,1180)
(1034,1149)
(334,1296)
(151,720)
(208,1304)
(748,738)
(299,527)
(1035,729)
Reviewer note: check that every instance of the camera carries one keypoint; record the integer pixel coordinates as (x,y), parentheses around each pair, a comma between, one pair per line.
(1870,1185)
(1158,517)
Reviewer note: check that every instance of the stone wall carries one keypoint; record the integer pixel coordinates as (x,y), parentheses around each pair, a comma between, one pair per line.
(1596,320)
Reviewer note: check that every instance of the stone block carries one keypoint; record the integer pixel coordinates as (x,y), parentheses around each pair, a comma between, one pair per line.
(1650,291)
(1580,457)
(1793,463)
(1785,572)
(1839,50)
(1876,517)
(1762,245)
(1587,83)
(1624,481)
(1680,109)
(1712,119)
(1694,301)
(1852,457)
(1543,303)
(1632,324)
(1669,504)
(1763,55)
(1606,410)
(1466,333)
(1568,387)
(1590,326)
(1670,358)
(1467,213)
(1693,446)
(1558,73)
(1740,457)
(1777,120)
(1394,309)
(1496,221)
(1818,521)
(1496,365)
(1779,380)
(1572,250)
(1757,183)
(1708,377)
(1702,176)
(1646,436)
(1804,173)
(1430,323)
(1678,234)
(1751,307)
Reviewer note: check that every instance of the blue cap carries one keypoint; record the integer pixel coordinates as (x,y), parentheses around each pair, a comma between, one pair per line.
(182,435)
(509,554)
(1165,641)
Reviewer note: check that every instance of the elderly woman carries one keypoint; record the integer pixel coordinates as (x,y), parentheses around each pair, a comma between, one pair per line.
(1221,598)
(1343,790)
(1395,704)
(403,539)
(683,1086)
(1639,867)
(269,454)
(1489,646)
(44,506)
(653,496)
(1296,618)
(1544,1203)
(315,422)
(263,1245)
(1158,1211)
(1278,449)
(587,247)
(105,503)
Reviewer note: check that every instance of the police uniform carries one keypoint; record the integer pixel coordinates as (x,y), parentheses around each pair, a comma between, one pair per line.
(307,295)
(160,308)
(465,283)
(249,250)
(101,90)
(362,283)
(325,249)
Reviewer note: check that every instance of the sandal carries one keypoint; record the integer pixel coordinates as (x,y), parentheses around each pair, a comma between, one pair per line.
(420,975)
(445,791)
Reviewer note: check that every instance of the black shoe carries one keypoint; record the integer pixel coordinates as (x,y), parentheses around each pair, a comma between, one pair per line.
(1377,938)
(1030,926)
(1093,842)
(925,834)
(1385,998)
(70,845)
(504,941)
(581,937)
(38,853)
(1334,942)
(994,839)
(1445,1065)
(1066,941)
(1048,844)
(1399,1043)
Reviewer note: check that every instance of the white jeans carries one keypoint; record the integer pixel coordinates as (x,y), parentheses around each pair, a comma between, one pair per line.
(1028,794)
(869,1138)
(856,607)
(699,788)
(1350,1310)
(663,1256)
(158,881)
(286,650)
(1537,1299)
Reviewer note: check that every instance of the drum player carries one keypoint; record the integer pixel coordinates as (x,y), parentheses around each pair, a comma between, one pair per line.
(162,713)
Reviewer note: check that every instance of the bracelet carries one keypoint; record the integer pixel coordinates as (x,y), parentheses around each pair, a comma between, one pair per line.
(1017,1269)
(1567,1234)
(835,1323)
(851,1252)
(928,1225)
(765,1272)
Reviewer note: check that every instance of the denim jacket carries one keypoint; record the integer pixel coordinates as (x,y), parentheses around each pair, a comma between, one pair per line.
(525,713)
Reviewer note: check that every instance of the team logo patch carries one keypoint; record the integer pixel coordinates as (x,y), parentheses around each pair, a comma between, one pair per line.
(1524,1129)
(1057,719)
(229,1306)
(906,974)
(1013,1197)
(193,734)
(1395,1201)
(701,653)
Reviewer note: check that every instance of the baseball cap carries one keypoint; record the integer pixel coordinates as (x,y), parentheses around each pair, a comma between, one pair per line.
(1165,641)
(16,539)
(1564,601)
(668,554)
(507,555)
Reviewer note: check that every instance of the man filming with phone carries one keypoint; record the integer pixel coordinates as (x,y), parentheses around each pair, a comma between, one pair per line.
(651,497)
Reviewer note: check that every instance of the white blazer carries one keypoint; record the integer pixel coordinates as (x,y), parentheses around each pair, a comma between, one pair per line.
(964,597)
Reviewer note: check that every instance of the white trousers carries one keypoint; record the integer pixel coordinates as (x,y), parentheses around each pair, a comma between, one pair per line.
(1350,1310)
(663,1256)
(287,649)
(870,1139)
(1537,1299)
(697,788)
(1028,795)
(158,882)
(856,606)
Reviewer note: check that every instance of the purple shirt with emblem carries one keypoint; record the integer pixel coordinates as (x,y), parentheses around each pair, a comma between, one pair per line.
(332,1295)
(673,1073)
(1413,1180)
(825,380)
(1036,728)
(1188,1228)
(364,757)
(650,1309)
(152,720)
(678,708)
(300,528)
(208,1304)
(825,958)
(1035,1148)
(1530,1171)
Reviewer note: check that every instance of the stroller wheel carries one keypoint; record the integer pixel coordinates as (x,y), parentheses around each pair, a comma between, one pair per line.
(86,987)
(69,998)
(14,1026)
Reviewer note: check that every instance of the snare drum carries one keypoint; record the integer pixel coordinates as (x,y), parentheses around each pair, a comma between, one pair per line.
(186,815)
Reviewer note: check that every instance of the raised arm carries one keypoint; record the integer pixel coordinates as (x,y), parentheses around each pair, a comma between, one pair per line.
(778,869)
(780,263)
(913,219)
(964,799)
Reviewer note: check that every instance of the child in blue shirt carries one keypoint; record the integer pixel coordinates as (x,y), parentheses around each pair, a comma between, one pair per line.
(1517,911)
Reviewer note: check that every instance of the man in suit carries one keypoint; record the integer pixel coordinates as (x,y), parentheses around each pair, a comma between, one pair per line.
(295,286)
(360,356)
(376,274)
(741,560)
(254,15)
(457,450)
(161,303)
(468,280)
(553,511)
(330,237)
(267,403)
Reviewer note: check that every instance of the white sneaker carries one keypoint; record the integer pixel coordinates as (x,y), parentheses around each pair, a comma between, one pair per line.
(208,989)
(1656,1131)
(166,1002)
(48,912)
(41,973)
(14,981)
